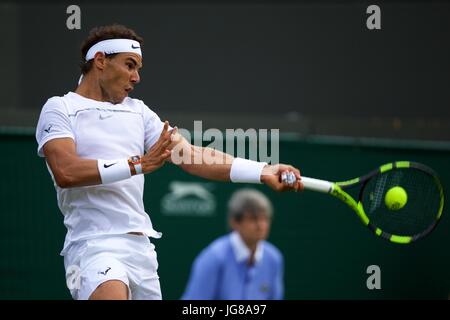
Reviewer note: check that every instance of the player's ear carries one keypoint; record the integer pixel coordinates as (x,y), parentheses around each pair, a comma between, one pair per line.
(100,60)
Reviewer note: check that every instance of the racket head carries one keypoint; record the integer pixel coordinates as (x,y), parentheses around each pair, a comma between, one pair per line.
(416,219)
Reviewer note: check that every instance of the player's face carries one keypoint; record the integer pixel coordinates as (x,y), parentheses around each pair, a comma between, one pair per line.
(120,75)
(253,227)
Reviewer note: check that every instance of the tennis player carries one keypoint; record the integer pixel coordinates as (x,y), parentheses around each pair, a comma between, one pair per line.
(98,144)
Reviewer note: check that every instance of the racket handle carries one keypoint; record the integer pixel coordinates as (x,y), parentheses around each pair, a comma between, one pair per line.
(317,185)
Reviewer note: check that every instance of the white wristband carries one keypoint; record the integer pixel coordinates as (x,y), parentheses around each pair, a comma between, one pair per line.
(113,170)
(246,171)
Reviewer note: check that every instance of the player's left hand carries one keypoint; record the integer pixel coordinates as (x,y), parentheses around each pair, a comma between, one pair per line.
(271,176)
(159,153)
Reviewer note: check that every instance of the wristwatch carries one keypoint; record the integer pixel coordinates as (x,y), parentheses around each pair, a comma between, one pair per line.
(135,161)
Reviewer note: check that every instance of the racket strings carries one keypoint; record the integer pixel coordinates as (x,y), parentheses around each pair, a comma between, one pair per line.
(420,210)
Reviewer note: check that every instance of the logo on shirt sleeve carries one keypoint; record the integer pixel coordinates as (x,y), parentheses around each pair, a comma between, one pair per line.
(48,129)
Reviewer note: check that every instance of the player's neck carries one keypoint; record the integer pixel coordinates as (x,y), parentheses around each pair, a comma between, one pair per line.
(90,88)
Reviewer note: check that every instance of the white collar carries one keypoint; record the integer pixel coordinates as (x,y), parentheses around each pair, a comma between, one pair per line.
(241,251)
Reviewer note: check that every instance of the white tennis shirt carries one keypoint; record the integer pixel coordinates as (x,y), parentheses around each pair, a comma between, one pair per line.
(101,130)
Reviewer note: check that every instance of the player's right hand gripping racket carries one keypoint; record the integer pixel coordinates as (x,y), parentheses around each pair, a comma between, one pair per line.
(400,201)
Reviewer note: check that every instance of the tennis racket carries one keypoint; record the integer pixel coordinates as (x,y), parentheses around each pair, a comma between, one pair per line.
(409,222)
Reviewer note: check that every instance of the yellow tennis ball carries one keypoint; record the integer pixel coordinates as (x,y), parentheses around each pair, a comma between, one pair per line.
(396,198)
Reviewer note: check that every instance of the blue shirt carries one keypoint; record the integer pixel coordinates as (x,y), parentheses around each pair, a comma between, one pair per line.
(217,274)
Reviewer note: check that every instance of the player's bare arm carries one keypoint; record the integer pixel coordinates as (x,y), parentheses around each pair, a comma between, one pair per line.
(70,170)
(216,165)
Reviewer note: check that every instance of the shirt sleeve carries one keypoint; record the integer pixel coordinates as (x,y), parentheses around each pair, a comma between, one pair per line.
(53,123)
(278,293)
(153,127)
(204,278)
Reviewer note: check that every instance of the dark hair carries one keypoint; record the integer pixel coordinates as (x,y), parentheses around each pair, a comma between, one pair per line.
(97,34)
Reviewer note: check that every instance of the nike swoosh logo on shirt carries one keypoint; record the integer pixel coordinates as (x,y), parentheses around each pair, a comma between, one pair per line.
(102,117)
(108,165)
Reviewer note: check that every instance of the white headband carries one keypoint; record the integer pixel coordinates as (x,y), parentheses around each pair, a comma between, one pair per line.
(111,46)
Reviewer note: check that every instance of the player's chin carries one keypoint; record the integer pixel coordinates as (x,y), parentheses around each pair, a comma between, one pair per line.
(119,99)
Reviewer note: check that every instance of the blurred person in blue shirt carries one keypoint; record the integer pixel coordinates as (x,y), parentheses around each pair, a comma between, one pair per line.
(241,265)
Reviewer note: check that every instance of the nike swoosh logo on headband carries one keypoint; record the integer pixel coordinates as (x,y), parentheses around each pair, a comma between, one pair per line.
(133,47)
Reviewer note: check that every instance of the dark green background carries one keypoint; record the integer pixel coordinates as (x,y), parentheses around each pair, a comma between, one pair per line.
(303,66)
(326,248)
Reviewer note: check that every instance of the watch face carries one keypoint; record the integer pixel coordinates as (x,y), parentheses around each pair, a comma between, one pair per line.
(135,159)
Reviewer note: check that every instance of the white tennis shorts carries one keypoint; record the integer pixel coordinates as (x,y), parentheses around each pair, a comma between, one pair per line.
(128,258)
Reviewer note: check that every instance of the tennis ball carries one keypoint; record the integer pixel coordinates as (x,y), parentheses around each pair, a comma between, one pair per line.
(396,198)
